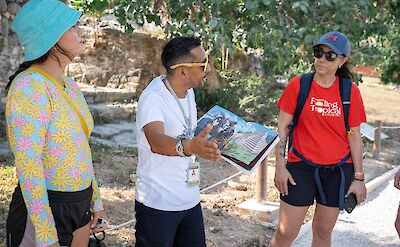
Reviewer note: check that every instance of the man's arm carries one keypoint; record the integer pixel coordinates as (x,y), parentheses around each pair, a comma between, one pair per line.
(161,143)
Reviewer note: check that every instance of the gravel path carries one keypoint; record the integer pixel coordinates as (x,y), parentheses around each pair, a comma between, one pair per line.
(369,225)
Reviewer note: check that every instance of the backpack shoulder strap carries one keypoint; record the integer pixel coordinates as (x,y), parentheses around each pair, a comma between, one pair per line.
(305,85)
(345,85)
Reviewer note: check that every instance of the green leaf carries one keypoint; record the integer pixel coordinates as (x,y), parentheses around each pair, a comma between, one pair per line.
(266,2)
(309,38)
(213,23)
(250,4)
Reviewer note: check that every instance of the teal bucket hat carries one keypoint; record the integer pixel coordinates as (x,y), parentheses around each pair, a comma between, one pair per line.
(39,24)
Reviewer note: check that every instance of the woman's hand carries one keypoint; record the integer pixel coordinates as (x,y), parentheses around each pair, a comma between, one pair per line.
(56,244)
(358,188)
(96,216)
(282,176)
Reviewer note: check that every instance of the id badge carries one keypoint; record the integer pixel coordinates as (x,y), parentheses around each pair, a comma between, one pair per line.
(193,173)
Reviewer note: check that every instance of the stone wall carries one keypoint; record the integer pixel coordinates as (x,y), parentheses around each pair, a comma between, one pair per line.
(118,60)
(112,58)
(11,54)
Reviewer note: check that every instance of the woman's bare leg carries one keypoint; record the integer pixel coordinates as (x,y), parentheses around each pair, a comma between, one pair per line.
(290,220)
(81,236)
(323,222)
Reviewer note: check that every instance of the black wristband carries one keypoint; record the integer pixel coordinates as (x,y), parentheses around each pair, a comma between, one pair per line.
(359,179)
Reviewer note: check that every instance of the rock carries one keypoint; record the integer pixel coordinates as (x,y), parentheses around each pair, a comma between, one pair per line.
(110,22)
(133,73)
(132,177)
(5,27)
(4,149)
(108,131)
(3,6)
(13,8)
(126,140)
(238,186)
(217,212)
(103,94)
(215,229)
(112,112)
(122,134)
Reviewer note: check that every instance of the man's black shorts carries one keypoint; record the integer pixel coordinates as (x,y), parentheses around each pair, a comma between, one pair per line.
(305,191)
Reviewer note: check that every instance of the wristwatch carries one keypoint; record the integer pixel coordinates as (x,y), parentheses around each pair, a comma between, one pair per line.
(179,148)
(359,176)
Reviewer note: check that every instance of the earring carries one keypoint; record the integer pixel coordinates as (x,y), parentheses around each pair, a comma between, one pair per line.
(339,66)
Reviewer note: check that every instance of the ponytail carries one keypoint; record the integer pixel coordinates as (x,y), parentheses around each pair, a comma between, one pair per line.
(24,66)
(346,71)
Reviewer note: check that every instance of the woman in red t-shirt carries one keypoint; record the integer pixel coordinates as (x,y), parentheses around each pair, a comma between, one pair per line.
(316,166)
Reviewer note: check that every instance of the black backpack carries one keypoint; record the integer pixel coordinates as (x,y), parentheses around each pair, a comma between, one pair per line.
(345,91)
(305,85)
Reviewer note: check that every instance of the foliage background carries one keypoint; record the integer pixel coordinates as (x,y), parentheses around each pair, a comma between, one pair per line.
(283,31)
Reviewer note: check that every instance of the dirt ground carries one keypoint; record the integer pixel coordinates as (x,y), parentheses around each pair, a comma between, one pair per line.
(115,171)
(223,224)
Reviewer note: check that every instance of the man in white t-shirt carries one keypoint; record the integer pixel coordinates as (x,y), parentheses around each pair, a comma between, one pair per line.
(168,211)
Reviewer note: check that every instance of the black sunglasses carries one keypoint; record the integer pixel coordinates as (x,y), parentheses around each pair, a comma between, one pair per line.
(329,55)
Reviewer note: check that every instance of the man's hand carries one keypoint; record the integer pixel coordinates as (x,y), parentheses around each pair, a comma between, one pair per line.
(202,147)
(96,216)
(397,180)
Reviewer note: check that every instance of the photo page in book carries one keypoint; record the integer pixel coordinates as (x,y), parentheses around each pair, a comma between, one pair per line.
(243,144)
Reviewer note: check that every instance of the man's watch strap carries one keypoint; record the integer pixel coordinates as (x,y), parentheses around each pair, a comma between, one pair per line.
(179,148)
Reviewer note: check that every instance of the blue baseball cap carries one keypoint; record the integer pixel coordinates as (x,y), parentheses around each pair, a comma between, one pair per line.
(338,42)
(39,24)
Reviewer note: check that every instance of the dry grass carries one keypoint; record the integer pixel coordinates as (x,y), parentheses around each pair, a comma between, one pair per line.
(382,102)
(8,181)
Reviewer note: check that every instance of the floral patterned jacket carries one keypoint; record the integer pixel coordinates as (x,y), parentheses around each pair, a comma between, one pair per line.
(50,148)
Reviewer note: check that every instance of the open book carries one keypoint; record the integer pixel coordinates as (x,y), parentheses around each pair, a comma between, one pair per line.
(242,144)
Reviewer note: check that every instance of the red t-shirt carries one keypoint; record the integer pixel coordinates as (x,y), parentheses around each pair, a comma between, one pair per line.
(320,135)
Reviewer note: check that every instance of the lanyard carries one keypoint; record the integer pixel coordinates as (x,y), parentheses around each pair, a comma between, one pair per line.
(188,120)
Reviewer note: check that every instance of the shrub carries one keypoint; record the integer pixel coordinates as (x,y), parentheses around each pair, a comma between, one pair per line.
(249,96)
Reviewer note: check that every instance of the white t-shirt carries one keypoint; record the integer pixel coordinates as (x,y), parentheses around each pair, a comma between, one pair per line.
(161,179)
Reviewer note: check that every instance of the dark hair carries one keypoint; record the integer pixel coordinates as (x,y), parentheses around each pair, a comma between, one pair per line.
(25,65)
(177,49)
(346,70)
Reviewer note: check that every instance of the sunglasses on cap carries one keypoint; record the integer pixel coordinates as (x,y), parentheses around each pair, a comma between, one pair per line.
(329,55)
(191,65)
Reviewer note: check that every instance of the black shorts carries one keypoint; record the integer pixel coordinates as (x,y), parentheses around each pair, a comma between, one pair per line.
(71,211)
(305,191)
